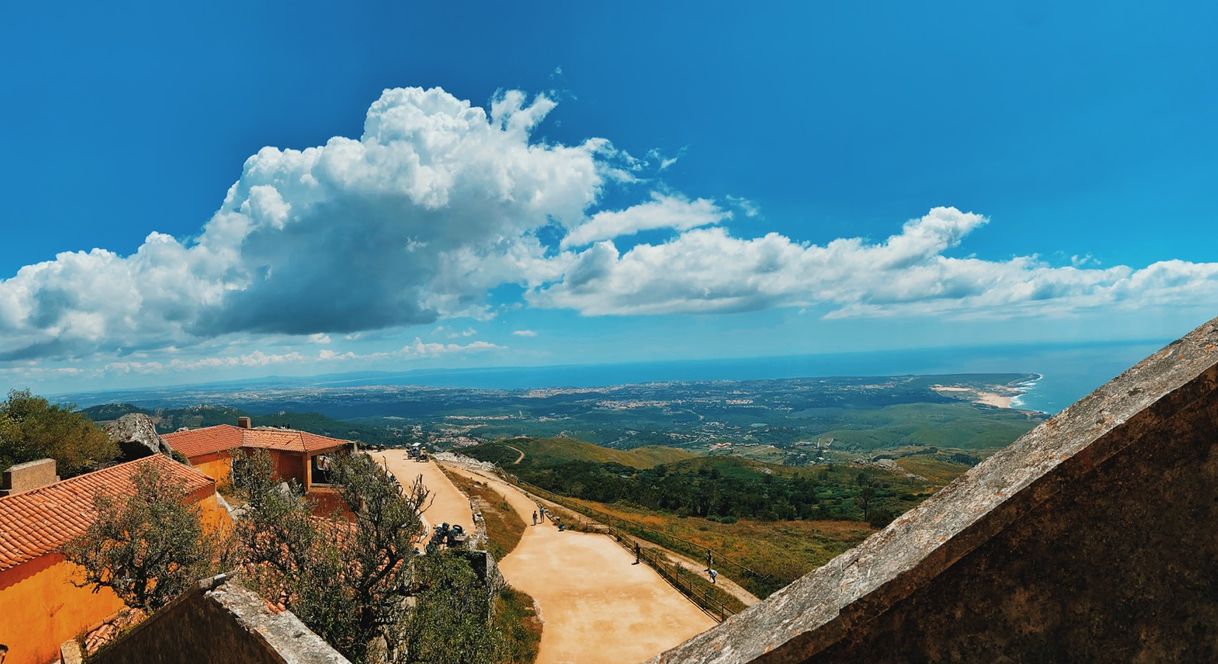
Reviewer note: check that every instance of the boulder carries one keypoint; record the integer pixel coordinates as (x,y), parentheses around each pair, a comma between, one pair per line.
(136,436)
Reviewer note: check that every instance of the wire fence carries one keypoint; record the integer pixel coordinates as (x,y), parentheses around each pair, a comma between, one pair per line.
(686,582)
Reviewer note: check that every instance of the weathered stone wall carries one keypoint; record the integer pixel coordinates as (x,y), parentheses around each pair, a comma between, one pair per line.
(224,623)
(1092,538)
(28,476)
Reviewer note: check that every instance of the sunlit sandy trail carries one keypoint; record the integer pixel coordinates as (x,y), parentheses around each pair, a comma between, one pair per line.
(448,505)
(597,606)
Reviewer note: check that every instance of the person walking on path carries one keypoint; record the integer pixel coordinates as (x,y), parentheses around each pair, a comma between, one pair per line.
(637,551)
(710,560)
(713,575)
(534,517)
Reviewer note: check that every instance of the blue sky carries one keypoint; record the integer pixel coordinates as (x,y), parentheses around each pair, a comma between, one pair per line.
(748,165)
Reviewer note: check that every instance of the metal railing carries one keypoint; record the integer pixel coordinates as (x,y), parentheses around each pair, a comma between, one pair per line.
(676,575)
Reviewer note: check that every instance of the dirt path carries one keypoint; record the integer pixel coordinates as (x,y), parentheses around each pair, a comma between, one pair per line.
(448,505)
(518,451)
(689,564)
(596,605)
(696,567)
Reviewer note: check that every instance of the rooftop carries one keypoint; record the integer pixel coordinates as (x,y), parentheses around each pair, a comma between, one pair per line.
(222,437)
(40,521)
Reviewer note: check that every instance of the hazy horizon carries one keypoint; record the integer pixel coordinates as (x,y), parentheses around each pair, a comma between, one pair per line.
(1067,371)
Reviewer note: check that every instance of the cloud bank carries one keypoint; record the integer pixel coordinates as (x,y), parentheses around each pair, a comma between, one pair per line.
(440,202)
(707,270)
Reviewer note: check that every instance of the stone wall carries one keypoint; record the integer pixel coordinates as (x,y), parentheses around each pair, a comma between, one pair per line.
(220,621)
(28,476)
(1089,539)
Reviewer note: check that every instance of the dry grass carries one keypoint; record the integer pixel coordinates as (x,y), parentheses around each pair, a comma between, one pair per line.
(778,551)
(504,527)
(935,470)
(548,451)
(518,627)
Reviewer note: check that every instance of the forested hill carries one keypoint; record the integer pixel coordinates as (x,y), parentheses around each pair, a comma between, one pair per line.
(716,487)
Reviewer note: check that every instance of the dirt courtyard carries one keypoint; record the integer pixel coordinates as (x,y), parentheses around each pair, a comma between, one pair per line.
(596,605)
(448,505)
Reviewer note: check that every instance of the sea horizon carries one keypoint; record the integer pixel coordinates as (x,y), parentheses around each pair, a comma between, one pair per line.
(1066,372)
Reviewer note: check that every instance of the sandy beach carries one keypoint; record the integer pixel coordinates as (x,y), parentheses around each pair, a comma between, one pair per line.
(997,399)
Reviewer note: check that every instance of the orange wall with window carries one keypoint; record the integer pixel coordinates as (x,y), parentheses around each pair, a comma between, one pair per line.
(40,608)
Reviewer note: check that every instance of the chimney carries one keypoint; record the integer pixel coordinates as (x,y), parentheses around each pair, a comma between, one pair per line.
(28,476)
(245,422)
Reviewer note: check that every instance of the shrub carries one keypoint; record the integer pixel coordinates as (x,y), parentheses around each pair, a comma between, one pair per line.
(147,548)
(33,428)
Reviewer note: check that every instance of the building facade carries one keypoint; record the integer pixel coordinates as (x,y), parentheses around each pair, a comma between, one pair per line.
(295,455)
(40,604)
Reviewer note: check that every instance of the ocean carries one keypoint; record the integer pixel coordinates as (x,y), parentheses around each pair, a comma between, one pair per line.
(1067,372)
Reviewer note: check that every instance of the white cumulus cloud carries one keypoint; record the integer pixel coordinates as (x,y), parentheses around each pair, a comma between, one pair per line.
(440,202)
(662,211)
(707,270)
(437,202)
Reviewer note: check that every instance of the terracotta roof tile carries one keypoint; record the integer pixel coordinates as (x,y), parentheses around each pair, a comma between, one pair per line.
(38,522)
(208,440)
(197,442)
(289,439)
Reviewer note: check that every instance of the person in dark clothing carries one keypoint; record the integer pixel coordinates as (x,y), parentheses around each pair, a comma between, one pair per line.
(710,560)
(637,551)
(534,517)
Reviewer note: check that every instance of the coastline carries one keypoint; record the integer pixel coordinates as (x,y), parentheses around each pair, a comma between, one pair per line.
(1009,396)
(1024,388)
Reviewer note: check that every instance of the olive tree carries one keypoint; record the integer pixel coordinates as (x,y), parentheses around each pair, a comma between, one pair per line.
(148,547)
(349,577)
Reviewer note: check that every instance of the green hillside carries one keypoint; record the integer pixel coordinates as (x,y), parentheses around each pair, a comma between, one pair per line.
(110,411)
(952,425)
(721,487)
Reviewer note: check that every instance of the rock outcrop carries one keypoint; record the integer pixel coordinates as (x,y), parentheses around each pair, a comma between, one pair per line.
(136,436)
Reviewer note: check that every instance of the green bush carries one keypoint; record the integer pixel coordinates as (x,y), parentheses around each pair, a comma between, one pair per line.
(33,428)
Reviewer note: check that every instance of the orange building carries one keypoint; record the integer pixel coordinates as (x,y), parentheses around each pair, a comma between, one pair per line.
(40,607)
(296,455)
